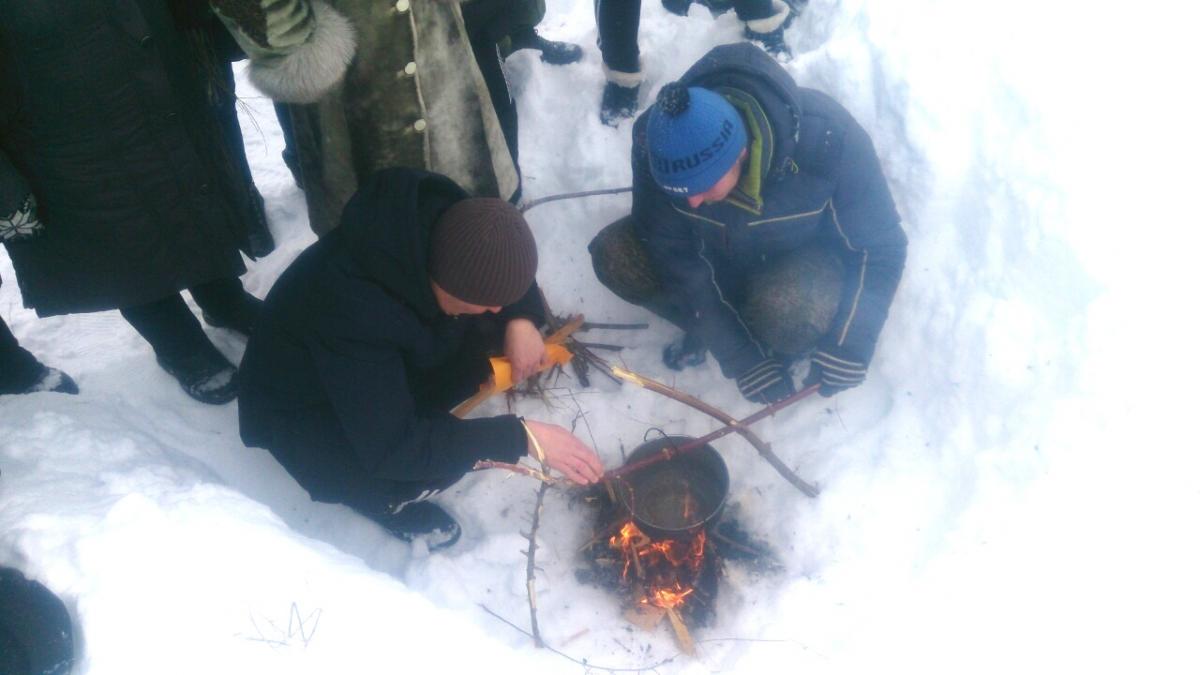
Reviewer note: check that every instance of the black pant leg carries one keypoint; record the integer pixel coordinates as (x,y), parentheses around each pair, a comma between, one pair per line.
(617,23)
(749,10)
(19,369)
(169,326)
(488,22)
(219,297)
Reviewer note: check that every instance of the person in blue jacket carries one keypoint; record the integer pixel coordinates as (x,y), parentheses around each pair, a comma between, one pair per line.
(762,225)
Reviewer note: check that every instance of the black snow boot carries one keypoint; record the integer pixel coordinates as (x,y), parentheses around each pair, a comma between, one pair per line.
(46,379)
(685,352)
(425,521)
(206,376)
(768,32)
(553,52)
(55,380)
(618,103)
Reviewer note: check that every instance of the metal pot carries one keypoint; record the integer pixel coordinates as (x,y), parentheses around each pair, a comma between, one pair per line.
(675,498)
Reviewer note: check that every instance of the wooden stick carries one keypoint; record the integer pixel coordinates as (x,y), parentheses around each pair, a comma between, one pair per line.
(521,469)
(686,645)
(687,399)
(689,446)
(589,325)
(573,195)
(530,567)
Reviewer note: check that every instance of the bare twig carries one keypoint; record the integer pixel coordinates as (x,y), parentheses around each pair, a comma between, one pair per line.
(600,345)
(594,325)
(687,399)
(573,195)
(531,567)
(521,469)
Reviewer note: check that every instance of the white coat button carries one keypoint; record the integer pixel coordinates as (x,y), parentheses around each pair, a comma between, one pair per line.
(410,69)
(419,125)
(402,5)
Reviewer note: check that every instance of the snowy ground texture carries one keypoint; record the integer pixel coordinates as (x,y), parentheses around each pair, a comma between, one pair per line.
(1014,488)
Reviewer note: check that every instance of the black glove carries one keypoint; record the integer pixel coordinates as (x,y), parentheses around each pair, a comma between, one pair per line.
(767,382)
(834,373)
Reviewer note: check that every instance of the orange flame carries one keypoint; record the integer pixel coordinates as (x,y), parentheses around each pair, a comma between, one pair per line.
(665,571)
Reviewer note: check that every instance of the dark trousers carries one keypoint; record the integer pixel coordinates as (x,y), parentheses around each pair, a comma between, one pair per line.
(617,23)
(19,369)
(489,23)
(788,301)
(171,328)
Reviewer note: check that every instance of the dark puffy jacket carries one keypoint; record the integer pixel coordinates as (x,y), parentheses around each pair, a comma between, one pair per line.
(812,175)
(118,115)
(348,332)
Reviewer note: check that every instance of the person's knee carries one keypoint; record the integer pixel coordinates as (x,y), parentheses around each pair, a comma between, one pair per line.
(622,263)
(790,303)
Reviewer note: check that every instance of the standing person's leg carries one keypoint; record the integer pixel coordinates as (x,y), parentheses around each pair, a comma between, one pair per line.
(183,350)
(526,15)
(226,304)
(617,23)
(488,22)
(765,21)
(22,373)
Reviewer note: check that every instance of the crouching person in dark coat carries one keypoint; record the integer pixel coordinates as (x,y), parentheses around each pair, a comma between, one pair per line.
(762,225)
(377,330)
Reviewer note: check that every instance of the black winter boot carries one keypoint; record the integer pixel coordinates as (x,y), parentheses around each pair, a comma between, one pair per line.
(618,103)
(206,376)
(554,53)
(425,521)
(768,32)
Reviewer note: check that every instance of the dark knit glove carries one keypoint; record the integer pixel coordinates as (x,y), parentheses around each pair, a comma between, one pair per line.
(767,382)
(834,373)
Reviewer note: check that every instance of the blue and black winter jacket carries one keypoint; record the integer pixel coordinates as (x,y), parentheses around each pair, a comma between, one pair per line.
(812,175)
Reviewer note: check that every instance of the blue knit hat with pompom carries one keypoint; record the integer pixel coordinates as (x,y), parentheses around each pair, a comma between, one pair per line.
(694,137)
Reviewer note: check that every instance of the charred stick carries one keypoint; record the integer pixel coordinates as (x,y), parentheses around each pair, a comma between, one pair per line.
(590,325)
(600,345)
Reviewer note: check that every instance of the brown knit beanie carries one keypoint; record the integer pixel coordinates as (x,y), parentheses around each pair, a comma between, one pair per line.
(482,252)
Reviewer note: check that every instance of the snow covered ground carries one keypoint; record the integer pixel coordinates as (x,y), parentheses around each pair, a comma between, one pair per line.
(1014,488)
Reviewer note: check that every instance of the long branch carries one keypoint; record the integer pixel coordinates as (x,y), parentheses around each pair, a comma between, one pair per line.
(689,446)
(573,195)
(725,418)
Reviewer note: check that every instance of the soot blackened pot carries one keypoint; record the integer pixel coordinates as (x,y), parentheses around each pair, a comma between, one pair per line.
(675,498)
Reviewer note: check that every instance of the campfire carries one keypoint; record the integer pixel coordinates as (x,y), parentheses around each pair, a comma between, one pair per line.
(661,543)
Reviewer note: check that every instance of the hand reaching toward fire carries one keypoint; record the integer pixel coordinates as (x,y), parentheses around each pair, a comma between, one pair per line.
(563,452)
